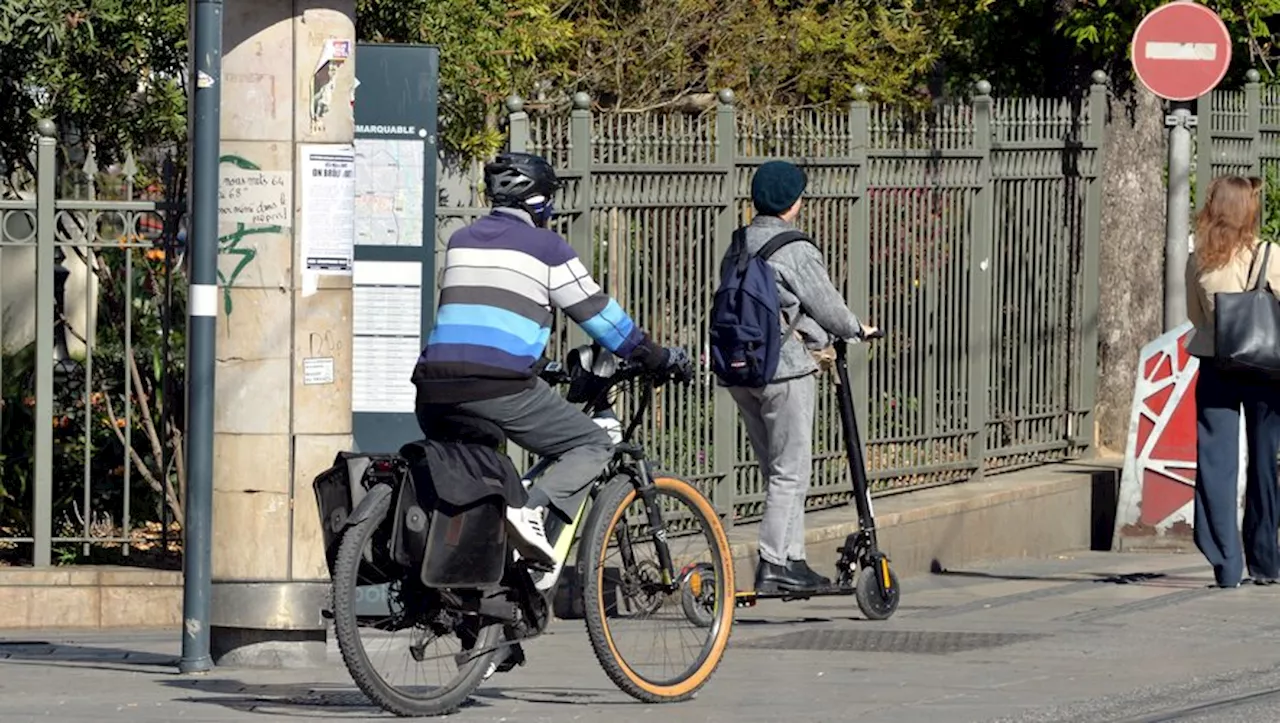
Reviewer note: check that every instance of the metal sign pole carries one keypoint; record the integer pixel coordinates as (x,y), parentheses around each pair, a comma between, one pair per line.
(202,305)
(1177,214)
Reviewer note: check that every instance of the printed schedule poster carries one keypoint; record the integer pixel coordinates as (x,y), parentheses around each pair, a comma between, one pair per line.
(328,187)
(386,335)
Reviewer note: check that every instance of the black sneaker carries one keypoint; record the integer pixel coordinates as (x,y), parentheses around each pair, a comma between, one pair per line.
(771,578)
(801,568)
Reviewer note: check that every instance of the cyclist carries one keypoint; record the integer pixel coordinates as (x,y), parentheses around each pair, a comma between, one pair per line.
(502,276)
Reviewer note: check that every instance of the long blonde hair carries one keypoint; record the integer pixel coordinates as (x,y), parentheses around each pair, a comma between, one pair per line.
(1229,220)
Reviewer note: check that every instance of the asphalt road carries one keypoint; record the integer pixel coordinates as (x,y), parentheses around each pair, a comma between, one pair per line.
(1096,637)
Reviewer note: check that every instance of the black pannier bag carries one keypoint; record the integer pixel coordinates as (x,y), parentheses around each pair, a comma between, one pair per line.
(339,491)
(450,518)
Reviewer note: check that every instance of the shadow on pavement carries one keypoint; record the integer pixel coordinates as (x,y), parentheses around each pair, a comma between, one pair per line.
(304,700)
(69,655)
(316,701)
(1177,577)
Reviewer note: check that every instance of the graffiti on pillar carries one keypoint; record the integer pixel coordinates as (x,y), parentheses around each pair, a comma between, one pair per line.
(251,202)
(1157,484)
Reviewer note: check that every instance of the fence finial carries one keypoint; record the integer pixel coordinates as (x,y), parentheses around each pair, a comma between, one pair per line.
(581,100)
(860,92)
(46,128)
(515,103)
(1098,77)
(725,96)
(1252,75)
(982,87)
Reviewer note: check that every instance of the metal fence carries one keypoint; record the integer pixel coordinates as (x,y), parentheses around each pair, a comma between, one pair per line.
(1238,132)
(970,233)
(90,462)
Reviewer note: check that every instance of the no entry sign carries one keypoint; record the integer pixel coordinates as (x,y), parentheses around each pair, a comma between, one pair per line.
(1181,50)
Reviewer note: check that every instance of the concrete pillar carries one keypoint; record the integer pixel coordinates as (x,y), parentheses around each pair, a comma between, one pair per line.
(275,430)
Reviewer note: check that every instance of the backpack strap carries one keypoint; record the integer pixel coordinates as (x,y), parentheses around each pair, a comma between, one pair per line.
(769,249)
(739,244)
(779,241)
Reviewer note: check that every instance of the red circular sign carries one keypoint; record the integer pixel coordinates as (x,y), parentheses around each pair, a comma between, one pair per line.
(1181,50)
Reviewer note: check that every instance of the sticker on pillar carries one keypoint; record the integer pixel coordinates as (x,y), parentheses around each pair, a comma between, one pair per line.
(327,213)
(317,370)
(334,53)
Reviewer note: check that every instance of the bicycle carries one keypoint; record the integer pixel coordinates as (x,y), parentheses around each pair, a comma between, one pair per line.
(491,623)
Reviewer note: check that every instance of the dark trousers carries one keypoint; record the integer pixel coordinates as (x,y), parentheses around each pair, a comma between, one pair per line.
(542,422)
(1219,398)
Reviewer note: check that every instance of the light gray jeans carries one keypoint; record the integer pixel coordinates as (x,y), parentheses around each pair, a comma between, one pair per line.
(779,421)
(542,422)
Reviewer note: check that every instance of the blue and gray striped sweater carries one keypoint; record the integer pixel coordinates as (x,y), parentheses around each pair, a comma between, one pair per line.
(502,276)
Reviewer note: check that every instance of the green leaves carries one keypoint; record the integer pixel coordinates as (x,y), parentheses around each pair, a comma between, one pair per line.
(106,70)
(633,55)
(489,49)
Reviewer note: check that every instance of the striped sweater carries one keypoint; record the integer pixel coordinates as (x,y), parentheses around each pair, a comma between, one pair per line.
(502,276)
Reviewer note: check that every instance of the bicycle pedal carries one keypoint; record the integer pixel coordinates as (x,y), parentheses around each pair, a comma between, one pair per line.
(537,566)
(515,656)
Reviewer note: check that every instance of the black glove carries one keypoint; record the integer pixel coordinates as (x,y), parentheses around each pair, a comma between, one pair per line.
(678,366)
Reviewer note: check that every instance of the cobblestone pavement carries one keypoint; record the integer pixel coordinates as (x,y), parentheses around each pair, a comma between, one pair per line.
(1082,637)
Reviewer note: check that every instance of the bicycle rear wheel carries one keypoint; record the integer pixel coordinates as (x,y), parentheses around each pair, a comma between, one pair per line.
(410,625)
(626,595)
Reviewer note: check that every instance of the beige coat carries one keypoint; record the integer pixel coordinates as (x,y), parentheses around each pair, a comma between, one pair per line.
(1239,273)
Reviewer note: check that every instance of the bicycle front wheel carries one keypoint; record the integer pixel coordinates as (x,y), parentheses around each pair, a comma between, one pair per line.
(629,597)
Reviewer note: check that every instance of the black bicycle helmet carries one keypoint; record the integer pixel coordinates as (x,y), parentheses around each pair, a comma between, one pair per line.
(521,180)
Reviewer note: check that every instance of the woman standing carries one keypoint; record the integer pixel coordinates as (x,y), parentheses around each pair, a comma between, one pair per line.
(1229,256)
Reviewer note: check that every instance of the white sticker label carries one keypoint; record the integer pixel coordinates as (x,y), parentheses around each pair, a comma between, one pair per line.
(317,370)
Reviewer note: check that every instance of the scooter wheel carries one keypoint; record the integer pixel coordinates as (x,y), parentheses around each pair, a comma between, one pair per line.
(874,604)
(697,595)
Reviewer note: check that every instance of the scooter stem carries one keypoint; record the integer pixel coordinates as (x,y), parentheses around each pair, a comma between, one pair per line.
(853,444)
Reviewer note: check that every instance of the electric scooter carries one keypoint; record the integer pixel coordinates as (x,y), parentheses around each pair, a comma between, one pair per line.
(863,568)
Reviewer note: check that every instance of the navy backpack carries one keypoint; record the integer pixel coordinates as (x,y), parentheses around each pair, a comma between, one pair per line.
(746,320)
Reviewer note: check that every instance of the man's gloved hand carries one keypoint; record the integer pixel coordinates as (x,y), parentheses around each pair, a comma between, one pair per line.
(678,365)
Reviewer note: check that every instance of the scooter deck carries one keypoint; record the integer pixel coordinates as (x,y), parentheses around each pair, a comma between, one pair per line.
(747,598)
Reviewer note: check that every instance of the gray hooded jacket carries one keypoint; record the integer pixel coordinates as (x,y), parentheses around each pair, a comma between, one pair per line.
(805,289)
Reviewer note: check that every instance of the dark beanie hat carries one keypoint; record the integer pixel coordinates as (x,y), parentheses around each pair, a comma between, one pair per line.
(776,186)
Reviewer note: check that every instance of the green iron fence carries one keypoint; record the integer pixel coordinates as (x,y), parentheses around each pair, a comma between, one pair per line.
(1238,132)
(969,233)
(90,458)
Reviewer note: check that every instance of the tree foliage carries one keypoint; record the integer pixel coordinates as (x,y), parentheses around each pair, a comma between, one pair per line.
(631,55)
(1049,47)
(489,49)
(107,70)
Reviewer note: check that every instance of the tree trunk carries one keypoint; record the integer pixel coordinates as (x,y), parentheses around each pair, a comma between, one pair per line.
(1131,255)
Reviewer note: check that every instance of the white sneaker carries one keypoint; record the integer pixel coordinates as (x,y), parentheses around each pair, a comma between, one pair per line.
(530,537)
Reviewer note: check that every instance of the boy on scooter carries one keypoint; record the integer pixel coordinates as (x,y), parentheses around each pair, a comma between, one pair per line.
(779,414)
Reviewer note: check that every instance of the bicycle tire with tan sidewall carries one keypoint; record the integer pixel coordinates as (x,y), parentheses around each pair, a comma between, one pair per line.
(607,512)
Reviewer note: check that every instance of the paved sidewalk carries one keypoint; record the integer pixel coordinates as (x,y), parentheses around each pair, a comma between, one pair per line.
(1084,637)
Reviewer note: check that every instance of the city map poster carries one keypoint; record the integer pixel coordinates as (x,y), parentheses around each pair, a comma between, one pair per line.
(389,191)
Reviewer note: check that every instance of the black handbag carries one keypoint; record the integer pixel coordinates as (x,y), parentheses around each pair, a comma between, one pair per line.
(1247,326)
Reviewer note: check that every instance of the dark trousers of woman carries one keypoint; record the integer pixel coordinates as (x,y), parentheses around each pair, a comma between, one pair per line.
(1219,397)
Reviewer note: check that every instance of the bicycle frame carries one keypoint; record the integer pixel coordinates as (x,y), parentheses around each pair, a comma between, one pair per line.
(629,459)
